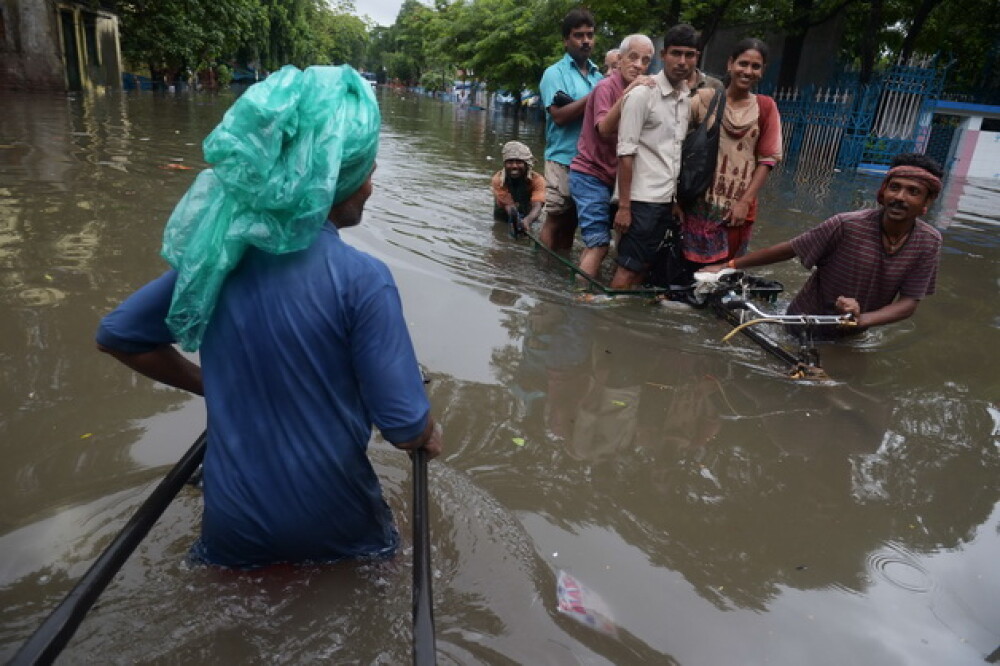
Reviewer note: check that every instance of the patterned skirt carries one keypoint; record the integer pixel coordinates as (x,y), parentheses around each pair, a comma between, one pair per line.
(706,239)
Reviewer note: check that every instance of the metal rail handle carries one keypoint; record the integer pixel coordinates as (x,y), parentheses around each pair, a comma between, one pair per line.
(424,647)
(796,319)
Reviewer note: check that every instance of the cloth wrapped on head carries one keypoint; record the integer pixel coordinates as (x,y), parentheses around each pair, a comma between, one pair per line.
(287,150)
(925,177)
(515,150)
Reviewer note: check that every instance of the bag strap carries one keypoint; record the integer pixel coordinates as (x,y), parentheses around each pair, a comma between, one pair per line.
(716,106)
(718,100)
(714,103)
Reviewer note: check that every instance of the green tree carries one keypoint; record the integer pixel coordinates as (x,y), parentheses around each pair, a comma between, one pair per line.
(508,43)
(187,33)
(435,80)
(402,67)
(414,35)
(404,46)
(380,43)
(290,38)
(966,33)
(341,36)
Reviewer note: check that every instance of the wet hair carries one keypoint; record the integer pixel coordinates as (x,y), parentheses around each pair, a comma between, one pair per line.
(682,34)
(575,18)
(637,37)
(918,160)
(749,44)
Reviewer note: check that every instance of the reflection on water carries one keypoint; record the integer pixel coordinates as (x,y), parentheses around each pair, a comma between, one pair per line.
(723,512)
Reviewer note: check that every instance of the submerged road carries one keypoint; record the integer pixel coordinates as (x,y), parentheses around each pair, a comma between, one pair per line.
(723,513)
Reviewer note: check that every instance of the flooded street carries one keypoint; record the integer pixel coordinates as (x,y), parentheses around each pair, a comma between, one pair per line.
(724,513)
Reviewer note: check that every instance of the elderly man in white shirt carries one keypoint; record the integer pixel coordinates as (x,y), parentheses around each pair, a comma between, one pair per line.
(653,123)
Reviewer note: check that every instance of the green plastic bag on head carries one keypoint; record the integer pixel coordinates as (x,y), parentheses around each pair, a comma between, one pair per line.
(289,148)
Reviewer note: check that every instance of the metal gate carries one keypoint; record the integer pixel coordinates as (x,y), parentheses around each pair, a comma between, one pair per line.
(845,126)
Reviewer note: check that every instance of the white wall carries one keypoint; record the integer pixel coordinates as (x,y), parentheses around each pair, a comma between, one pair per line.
(985,161)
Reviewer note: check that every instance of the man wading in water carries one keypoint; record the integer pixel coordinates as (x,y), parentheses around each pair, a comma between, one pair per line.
(592,172)
(653,123)
(865,259)
(302,337)
(518,192)
(565,88)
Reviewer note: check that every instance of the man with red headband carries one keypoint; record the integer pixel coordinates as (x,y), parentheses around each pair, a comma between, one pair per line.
(875,264)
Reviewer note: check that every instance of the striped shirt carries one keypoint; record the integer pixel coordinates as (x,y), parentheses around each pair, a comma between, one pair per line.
(850,261)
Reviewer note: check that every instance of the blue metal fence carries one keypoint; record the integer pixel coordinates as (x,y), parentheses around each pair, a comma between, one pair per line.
(845,126)
(813,122)
(905,109)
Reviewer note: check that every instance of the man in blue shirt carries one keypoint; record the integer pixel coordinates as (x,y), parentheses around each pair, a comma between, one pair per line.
(564,90)
(303,352)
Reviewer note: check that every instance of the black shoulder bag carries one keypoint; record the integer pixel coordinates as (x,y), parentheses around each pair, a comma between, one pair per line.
(699,153)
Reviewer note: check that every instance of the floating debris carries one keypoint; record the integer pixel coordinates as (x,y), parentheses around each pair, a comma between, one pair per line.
(583,605)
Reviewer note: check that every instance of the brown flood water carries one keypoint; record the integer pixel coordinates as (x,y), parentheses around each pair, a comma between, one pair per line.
(724,513)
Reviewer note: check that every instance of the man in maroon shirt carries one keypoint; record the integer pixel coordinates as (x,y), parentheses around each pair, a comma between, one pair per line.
(592,172)
(874,264)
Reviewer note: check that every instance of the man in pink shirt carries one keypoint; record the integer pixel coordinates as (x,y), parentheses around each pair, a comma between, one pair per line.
(592,172)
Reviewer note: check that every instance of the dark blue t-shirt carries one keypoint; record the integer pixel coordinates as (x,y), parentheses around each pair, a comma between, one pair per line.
(304,352)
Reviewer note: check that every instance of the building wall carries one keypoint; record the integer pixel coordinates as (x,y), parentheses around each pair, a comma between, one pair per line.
(97,46)
(111,54)
(818,63)
(977,155)
(30,53)
(975,152)
(51,45)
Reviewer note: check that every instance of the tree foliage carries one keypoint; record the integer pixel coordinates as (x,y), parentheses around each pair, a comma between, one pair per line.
(187,33)
(174,34)
(965,33)
(505,43)
(508,43)
(409,41)
(342,36)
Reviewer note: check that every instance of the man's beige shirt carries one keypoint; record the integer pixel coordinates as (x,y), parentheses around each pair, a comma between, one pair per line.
(653,124)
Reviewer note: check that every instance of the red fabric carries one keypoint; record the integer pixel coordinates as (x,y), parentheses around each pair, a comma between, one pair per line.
(769,141)
(930,181)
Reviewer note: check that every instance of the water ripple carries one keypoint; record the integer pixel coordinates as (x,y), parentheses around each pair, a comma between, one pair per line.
(900,568)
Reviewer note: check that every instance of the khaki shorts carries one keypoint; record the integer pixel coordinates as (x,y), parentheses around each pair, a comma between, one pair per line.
(557,197)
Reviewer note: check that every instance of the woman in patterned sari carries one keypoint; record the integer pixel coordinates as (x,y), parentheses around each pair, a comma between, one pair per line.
(717,227)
